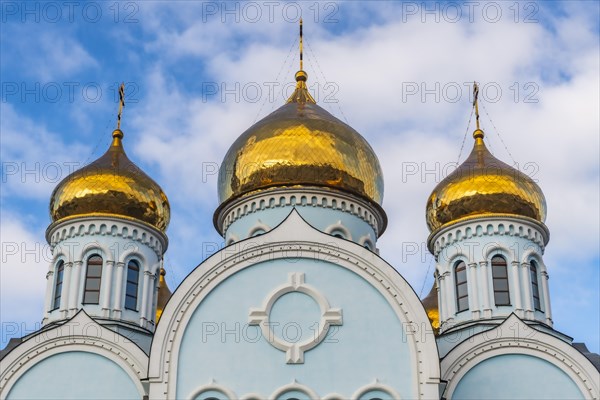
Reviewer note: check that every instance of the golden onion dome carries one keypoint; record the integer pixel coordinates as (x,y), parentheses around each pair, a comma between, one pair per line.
(431,305)
(114,186)
(164,294)
(484,185)
(300,144)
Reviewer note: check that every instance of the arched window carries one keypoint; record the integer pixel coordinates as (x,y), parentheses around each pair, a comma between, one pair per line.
(60,268)
(133,279)
(500,280)
(338,234)
(257,232)
(93,276)
(462,292)
(535,290)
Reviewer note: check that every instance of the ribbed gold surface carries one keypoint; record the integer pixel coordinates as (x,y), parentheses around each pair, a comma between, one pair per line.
(484,185)
(430,303)
(111,185)
(301,144)
(164,294)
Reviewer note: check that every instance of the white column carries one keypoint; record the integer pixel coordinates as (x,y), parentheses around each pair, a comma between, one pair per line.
(441,301)
(118,300)
(527,296)
(515,282)
(449,297)
(150,315)
(143,309)
(473,290)
(485,289)
(546,294)
(64,295)
(74,289)
(49,293)
(107,286)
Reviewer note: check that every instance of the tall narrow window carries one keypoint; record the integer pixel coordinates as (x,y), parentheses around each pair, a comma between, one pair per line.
(91,293)
(60,269)
(535,290)
(500,278)
(462,293)
(133,278)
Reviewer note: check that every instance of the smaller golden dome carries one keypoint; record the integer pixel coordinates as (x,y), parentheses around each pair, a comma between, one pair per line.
(430,303)
(111,185)
(484,185)
(164,294)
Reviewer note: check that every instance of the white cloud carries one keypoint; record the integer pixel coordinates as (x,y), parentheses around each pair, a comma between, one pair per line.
(34,160)
(25,260)
(45,52)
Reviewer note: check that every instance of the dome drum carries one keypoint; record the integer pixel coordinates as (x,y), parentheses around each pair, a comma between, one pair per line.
(300,197)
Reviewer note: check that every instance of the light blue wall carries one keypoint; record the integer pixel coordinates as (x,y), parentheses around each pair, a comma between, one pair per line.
(75,375)
(516,376)
(367,346)
(318,217)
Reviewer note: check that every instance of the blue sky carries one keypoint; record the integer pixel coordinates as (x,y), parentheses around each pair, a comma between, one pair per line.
(199,73)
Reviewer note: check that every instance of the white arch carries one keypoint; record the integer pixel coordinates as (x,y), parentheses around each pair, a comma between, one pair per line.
(293,234)
(216,387)
(510,338)
(75,335)
(294,386)
(373,387)
(493,249)
(92,247)
(338,226)
(258,227)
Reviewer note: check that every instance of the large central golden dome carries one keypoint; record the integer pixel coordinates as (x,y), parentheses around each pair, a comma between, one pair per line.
(300,144)
(484,185)
(112,185)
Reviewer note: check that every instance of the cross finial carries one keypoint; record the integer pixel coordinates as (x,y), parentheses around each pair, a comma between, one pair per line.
(121,103)
(301,60)
(476,102)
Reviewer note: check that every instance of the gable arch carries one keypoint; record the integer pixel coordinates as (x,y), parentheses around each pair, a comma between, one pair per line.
(514,337)
(293,236)
(80,334)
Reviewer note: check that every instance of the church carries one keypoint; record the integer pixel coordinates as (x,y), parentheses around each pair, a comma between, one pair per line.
(299,304)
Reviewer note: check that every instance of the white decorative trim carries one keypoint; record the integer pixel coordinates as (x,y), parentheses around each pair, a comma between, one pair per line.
(257,227)
(233,238)
(334,396)
(487,226)
(367,240)
(513,336)
(295,351)
(292,235)
(252,396)
(107,226)
(81,333)
(216,387)
(338,226)
(294,386)
(375,386)
(306,197)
